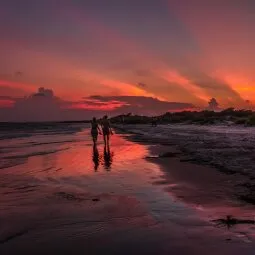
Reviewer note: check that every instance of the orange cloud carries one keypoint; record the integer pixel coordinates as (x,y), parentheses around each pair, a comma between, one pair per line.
(125,89)
(221,36)
(97,105)
(244,85)
(103,82)
(132,50)
(173,76)
(104,107)
(224,34)
(110,86)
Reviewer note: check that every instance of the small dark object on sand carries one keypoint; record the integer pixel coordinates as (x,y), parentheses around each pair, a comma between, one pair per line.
(188,160)
(230,221)
(66,195)
(154,122)
(169,155)
(248,198)
(95,199)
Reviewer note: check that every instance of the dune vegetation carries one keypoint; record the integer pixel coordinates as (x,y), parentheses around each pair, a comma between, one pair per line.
(228,116)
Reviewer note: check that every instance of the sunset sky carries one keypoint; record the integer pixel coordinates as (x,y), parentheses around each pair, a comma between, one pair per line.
(184,51)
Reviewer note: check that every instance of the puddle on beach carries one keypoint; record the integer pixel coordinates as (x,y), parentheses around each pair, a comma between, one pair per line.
(74,181)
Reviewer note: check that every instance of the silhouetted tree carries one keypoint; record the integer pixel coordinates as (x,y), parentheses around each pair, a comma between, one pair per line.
(249,105)
(213,104)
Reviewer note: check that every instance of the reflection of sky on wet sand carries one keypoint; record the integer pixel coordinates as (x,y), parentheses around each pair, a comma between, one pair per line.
(74,158)
(78,158)
(74,152)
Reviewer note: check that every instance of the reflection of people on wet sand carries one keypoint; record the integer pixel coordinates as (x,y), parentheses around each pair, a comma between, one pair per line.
(107,157)
(95,157)
(95,130)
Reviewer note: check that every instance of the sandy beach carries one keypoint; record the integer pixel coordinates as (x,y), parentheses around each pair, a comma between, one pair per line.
(127,127)
(60,197)
(228,149)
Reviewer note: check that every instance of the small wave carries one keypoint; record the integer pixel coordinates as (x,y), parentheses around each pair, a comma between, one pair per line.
(70,196)
(16,146)
(40,153)
(23,130)
(4,149)
(13,236)
(11,163)
(54,142)
(14,136)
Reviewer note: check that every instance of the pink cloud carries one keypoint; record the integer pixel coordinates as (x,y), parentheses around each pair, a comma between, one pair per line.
(17,85)
(97,105)
(6,103)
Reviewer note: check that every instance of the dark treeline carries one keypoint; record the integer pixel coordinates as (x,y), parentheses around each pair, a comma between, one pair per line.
(228,116)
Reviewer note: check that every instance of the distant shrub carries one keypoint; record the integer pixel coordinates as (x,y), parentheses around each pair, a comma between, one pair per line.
(203,117)
(243,113)
(251,120)
(228,111)
(208,114)
(241,121)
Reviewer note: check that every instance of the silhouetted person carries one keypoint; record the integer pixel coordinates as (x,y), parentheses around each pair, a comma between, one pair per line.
(95,157)
(94,130)
(107,131)
(107,157)
(154,122)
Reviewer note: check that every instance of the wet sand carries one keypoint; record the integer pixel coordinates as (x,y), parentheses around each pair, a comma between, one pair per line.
(75,202)
(228,149)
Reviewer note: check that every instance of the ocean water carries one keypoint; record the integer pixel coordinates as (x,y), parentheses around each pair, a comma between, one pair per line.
(19,142)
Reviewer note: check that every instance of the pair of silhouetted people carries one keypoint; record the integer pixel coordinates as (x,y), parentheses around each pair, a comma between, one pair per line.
(106,131)
(106,128)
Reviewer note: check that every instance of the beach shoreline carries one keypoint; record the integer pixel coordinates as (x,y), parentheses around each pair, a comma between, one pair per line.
(61,203)
(218,151)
